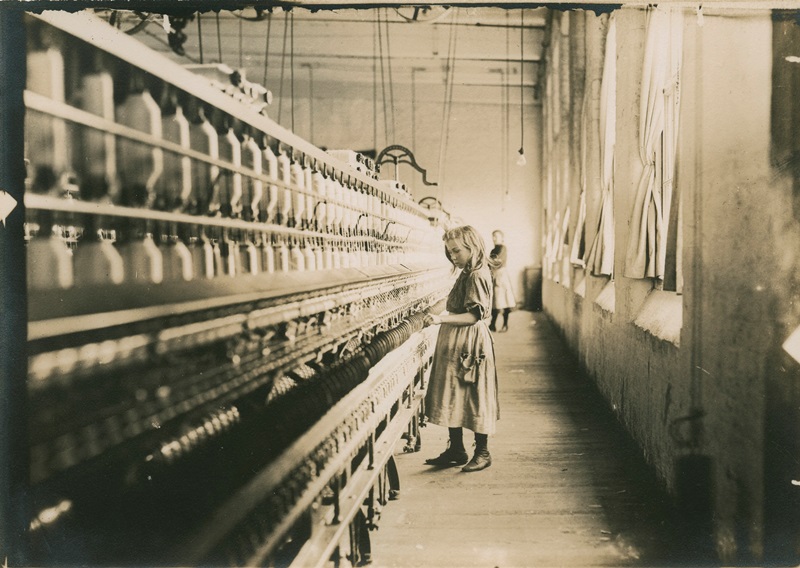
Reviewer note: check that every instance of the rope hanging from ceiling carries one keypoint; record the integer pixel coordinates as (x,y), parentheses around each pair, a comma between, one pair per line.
(447,103)
(414,108)
(219,40)
(291,65)
(200,35)
(266,49)
(383,78)
(521,77)
(375,86)
(283,66)
(385,59)
(391,81)
(311,102)
(506,115)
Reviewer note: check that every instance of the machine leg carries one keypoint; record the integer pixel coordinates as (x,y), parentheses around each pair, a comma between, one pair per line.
(413,436)
(360,545)
(393,477)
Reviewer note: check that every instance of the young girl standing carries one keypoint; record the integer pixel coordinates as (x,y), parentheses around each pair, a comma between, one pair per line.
(462,391)
(504,300)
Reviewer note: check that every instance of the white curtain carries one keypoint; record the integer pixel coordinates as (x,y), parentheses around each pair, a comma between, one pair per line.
(552,247)
(601,254)
(578,251)
(646,251)
(562,252)
(672,236)
(552,221)
(547,255)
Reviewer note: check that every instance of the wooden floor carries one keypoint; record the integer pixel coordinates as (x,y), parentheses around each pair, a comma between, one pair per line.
(566,487)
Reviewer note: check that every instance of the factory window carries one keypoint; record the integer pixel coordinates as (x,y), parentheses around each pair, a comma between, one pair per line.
(672,209)
(577,255)
(557,213)
(654,245)
(600,259)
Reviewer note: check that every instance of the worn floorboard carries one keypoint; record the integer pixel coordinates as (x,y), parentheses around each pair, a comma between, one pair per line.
(566,487)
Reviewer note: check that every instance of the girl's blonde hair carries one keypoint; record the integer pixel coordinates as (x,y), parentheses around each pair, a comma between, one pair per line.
(469,238)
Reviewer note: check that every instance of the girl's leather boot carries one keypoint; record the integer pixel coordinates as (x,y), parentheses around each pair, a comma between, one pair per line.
(455,454)
(482,458)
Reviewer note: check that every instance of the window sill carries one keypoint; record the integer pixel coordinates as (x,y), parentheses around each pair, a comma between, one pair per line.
(566,273)
(580,288)
(662,316)
(607,298)
(792,345)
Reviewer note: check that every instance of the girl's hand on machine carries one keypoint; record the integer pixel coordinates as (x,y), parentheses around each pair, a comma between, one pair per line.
(431,319)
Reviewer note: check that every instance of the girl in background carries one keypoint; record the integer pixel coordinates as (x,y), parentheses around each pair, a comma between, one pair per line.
(504,299)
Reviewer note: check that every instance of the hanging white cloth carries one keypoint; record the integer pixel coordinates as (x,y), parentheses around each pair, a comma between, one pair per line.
(646,252)
(578,251)
(579,240)
(563,234)
(563,250)
(672,236)
(601,254)
(553,243)
(552,218)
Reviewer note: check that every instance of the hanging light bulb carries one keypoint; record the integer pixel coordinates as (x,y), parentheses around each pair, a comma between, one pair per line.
(521,161)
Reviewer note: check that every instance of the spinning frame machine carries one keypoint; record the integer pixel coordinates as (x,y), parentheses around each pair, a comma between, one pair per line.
(225,338)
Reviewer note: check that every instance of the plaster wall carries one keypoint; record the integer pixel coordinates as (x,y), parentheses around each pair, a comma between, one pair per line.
(703,395)
(732,259)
